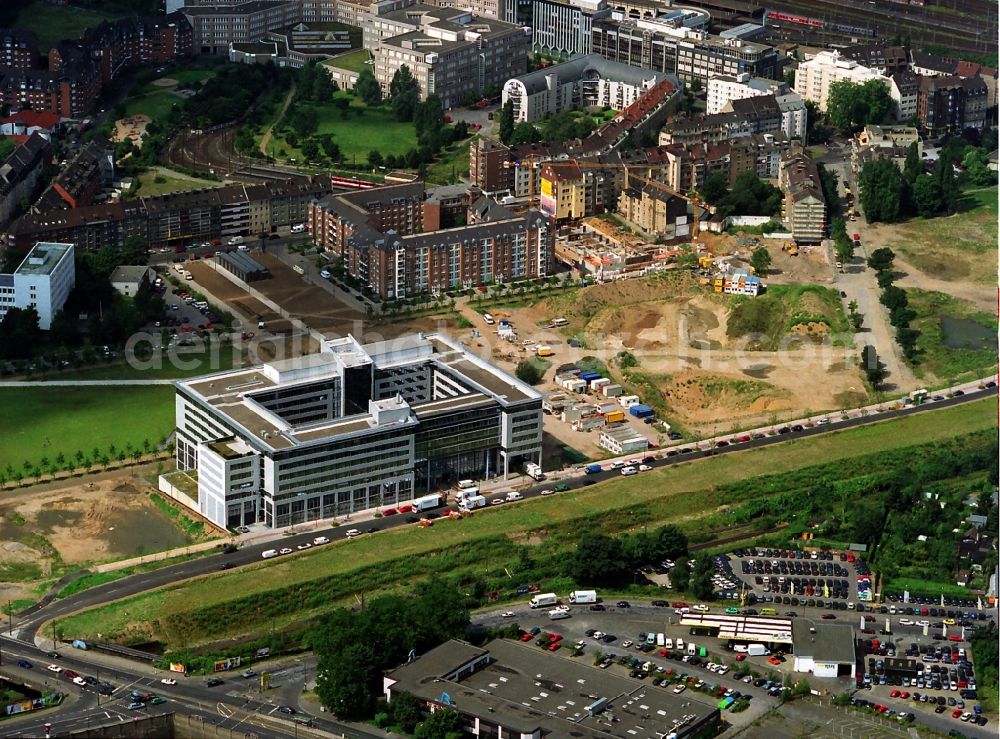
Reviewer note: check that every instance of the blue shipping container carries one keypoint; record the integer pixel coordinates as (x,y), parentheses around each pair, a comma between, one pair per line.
(640,410)
(588,376)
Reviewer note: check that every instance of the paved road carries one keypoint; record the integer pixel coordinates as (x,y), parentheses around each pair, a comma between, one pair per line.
(27,626)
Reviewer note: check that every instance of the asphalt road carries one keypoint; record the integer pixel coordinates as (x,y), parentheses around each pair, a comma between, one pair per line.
(27,626)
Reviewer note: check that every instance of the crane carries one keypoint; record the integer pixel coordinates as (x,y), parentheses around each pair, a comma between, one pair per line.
(533,161)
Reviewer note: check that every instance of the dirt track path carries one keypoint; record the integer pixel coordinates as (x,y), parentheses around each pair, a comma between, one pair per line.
(983,297)
(266,138)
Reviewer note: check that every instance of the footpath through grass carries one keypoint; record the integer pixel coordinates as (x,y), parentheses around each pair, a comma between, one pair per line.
(303,585)
(43,422)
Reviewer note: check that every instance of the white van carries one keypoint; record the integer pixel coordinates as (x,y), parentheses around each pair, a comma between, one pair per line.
(268,553)
(513,495)
(630,470)
(680,645)
(466,484)
(298,228)
(488,319)
(659,640)
(668,643)
(651,638)
(557,614)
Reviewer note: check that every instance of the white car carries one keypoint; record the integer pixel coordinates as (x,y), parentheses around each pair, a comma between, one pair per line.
(547,491)
(923,623)
(906,622)
(644,468)
(325,274)
(79,681)
(626,471)
(321,540)
(54,668)
(507,614)
(351,533)
(598,635)
(307,545)
(679,688)
(627,643)
(285,550)
(168,681)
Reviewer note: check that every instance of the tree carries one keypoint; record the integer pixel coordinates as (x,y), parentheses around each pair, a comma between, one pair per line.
(528,372)
(310,150)
(505,122)
(881,259)
(913,167)
(19,333)
(977,170)
(404,94)
(944,174)
(671,542)
(331,149)
(367,87)
(525,133)
(760,260)
(444,723)
(680,575)
(406,711)
(926,195)
(375,159)
(856,319)
(882,189)
(715,187)
(874,370)
(599,560)
(135,250)
(696,85)
(701,585)
(851,106)
(893,297)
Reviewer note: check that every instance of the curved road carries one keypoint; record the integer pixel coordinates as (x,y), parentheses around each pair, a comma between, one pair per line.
(27,627)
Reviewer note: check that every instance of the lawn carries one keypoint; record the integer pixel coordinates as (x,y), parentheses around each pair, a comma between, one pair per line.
(353,61)
(958,247)
(365,129)
(154,183)
(783,308)
(53,23)
(684,493)
(156,105)
(54,420)
(955,339)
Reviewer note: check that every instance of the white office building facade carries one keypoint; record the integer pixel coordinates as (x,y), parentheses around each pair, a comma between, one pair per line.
(351,428)
(42,281)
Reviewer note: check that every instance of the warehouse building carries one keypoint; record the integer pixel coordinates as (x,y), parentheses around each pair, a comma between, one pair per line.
(623,439)
(242,265)
(824,650)
(510,689)
(350,428)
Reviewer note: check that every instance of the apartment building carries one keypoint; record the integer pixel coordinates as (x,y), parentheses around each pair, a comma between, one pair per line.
(381,236)
(21,173)
(950,103)
(450,52)
(723,88)
(654,211)
(803,209)
(814,77)
(490,166)
(662,47)
(903,91)
(175,218)
(42,281)
(582,82)
(564,191)
(78,183)
(18,48)
(885,59)
(883,142)
(351,428)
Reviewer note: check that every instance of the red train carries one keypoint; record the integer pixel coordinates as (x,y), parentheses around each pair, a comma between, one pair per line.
(351,182)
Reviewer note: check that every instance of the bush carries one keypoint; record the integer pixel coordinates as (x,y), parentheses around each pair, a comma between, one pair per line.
(528,372)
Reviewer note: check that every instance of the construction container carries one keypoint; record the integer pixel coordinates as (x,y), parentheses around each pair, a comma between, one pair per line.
(626,400)
(543,351)
(590,423)
(600,382)
(641,410)
(617,416)
(574,385)
(589,376)
(611,391)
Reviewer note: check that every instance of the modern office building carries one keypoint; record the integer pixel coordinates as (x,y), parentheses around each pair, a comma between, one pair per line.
(350,428)
(586,81)
(563,29)
(42,281)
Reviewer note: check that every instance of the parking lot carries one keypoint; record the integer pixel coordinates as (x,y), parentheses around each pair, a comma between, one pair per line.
(796,577)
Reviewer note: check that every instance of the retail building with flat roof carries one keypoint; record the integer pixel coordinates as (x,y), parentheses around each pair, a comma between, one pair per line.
(350,428)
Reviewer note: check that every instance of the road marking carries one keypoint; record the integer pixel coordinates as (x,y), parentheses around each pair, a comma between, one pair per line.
(223,708)
(272,710)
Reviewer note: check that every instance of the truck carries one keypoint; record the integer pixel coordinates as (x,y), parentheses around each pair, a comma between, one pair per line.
(534,471)
(427,502)
(583,596)
(757,650)
(543,599)
(471,502)
(592,469)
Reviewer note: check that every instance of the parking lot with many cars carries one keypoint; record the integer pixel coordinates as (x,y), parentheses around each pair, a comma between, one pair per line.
(794,577)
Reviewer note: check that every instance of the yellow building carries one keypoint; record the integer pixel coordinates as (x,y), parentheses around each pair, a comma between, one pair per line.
(563,192)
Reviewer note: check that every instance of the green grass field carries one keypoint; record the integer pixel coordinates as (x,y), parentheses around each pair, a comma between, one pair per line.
(353,61)
(154,183)
(936,313)
(53,23)
(958,247)
(682,494)
(156,105)
(54,420)
(362,131)
(451,165)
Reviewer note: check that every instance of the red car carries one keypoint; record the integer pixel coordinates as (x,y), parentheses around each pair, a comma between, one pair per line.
(894,694)
(554,646)
(389,512)
(744,438)
(69,674)
(405,509)
(905,694)
(739,657)
(957,713)
(555,637)
(679,604)
(525,636)
(955,637)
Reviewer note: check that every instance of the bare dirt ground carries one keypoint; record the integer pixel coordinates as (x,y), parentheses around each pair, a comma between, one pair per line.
(81,523)
(676,329)
(812,264)
(133,127)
